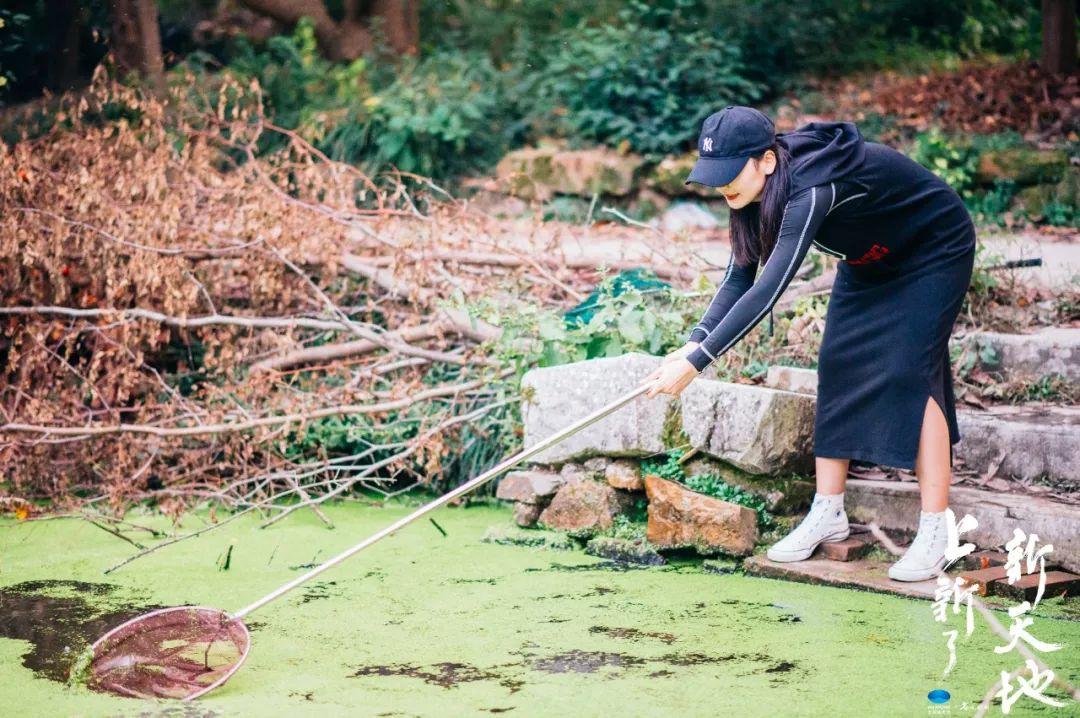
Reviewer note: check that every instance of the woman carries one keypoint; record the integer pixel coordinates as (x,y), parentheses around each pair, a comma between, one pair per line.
(907,246)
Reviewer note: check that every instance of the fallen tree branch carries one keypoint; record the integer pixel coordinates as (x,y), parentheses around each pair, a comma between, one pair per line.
(219,428)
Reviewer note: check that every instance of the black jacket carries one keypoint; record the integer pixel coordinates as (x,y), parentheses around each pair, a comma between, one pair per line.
(862,202)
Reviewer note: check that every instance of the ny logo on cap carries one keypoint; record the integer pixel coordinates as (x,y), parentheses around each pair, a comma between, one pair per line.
(706,145)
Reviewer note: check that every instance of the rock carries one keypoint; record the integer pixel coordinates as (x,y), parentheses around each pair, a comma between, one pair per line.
(624,551)
(596,465)
(577,472)
(590,505)
(895,505)
(531,539)
(1055,350)
(668,177)
(526,514)
(758,429)
(624,474)
(648,204)
(541,172)
(789,378)
(1023,442)
(560,395)
(1022,165)
(781,495)
(531,487)
(685,216)
(680,518)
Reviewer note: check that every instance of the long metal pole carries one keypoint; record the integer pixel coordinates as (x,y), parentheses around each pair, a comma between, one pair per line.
(449,496)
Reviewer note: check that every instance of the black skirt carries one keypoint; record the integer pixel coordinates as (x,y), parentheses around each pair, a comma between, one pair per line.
(885,350)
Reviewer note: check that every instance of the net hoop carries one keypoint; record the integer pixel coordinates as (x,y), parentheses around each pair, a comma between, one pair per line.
(125,627)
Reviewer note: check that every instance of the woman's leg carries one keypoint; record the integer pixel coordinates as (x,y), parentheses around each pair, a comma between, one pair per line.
(932,464)
(831,475)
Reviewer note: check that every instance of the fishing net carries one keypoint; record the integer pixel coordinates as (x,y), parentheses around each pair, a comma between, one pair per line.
(177,653)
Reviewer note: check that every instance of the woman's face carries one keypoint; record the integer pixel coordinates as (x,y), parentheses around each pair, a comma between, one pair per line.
(748,185)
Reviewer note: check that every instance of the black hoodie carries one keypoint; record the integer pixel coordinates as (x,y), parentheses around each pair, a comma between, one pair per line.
(881,206)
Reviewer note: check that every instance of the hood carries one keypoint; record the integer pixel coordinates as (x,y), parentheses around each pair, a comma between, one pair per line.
(822,152)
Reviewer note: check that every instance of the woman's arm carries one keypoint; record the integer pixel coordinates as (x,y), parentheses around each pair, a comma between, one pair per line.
(802,216)
(737,280)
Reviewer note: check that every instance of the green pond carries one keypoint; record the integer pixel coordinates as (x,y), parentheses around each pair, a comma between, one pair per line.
(426,624)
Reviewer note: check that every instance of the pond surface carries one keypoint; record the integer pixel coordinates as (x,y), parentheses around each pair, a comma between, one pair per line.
(423,624)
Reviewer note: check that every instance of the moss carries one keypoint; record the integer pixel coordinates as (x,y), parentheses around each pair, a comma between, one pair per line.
(672,433)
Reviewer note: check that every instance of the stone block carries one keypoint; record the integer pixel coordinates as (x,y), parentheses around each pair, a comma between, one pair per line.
(560,395)
(849,549)
(758,429)
(789,378)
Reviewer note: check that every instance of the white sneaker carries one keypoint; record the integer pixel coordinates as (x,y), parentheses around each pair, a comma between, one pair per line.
(827,522)
(925,557)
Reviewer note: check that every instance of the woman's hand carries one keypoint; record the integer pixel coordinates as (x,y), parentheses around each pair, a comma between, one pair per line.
(671,378)
(680,353)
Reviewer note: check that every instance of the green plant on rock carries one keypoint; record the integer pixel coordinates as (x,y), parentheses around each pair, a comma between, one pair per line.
(669,467)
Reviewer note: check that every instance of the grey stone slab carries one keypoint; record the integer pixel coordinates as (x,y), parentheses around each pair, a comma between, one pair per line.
(1026,442)
(1054,350)
(758,429)
(895,505)
(560,395)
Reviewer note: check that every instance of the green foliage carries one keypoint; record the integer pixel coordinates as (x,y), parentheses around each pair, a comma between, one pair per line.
(949,157)
(439,118)
(1061,214)
(990,206)
(666,468)
(651,100)
(653,321)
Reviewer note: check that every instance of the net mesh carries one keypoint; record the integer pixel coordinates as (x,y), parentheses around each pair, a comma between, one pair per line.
(175,653)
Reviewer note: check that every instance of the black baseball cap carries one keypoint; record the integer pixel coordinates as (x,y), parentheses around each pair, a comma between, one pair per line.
(728,139)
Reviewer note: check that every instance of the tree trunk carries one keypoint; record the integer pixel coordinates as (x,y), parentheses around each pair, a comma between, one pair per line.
(353,36)
(136,39)
(400,23)
(65,27)
(1059,36)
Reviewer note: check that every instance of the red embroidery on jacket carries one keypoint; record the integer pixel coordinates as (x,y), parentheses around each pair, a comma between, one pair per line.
(872,255)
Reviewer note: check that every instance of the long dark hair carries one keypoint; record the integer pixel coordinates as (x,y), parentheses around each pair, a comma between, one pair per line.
(754,228)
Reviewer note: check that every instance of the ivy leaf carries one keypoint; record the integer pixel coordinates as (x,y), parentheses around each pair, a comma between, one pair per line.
(630,325)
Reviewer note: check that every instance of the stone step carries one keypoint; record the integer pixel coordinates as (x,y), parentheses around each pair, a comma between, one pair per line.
(895,505)
(1055,583)
(862,574)
(1049,351)
(1025,442)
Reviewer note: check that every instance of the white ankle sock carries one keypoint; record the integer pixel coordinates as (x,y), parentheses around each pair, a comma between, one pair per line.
(830,499)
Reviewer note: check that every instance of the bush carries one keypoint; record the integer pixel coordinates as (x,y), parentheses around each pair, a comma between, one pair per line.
(442,116)
(652,99)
